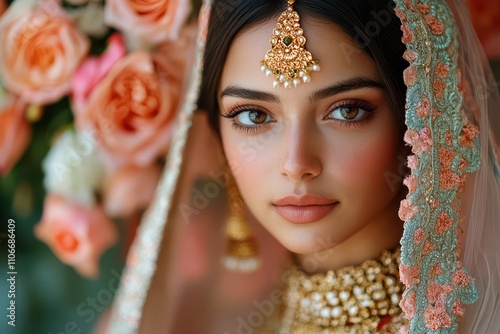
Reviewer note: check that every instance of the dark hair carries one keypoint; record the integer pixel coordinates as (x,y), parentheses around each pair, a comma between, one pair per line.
(372,24)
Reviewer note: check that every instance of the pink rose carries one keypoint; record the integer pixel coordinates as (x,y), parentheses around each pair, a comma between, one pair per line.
(406,210)
(77,234)
(94,69)
(134,109)
(150,22)
(40,50)
(130,189)
(15,134)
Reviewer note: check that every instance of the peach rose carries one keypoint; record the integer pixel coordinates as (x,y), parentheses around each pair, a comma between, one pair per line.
(15,133)
(94,69)
(77,234)
(134,108)
(130,189)
(147,21)
(40,50)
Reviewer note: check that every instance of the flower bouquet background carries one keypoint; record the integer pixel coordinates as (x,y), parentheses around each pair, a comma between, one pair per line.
(89,95)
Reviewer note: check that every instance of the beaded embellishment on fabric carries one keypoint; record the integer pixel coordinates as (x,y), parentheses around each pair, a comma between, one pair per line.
(361,299)
(445,150)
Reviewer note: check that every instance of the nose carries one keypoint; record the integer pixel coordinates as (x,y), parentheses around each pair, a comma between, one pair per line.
(302,157)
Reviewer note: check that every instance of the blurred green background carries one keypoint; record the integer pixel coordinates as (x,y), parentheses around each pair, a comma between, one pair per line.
(48,293)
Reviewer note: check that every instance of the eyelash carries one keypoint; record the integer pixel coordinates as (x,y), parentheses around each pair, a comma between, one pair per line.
(238,110)
(368,107)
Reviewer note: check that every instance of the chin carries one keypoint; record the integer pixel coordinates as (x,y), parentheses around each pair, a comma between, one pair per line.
(306,240)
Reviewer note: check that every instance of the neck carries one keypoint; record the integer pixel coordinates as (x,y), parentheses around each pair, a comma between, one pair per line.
(381,234)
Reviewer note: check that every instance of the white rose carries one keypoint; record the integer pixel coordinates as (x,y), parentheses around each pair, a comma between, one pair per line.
(90,19)
(73,168)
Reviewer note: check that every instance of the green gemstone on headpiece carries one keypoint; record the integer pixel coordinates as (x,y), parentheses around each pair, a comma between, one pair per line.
(287,40)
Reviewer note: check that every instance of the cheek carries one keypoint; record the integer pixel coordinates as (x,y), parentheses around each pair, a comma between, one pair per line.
(371,170)
(246,157)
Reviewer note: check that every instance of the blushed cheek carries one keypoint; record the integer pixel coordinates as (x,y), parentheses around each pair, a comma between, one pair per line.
(371,171)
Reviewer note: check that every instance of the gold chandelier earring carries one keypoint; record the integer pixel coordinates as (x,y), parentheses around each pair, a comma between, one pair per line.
(242,251)
(288,60)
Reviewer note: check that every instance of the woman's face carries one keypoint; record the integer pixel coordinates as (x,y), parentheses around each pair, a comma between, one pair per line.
(317,165)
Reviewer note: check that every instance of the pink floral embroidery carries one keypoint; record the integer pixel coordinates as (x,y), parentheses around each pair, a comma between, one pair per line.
(399,13)
(448,179)
(446,156)
(411,183)
(442,70)
(436,270)
(443,222)
(458,308)
(419,235)
(420,141)
(406,210)
(436,317)
(439,87)
(407,34)
(423,107)
(438,292)
(413,162)
(428,247)
(460,278)
(424,9)
(409,305)
(435,114)
(469,132)
(409,274)
(410,75)
(409,56)
(437,27)
(448,139)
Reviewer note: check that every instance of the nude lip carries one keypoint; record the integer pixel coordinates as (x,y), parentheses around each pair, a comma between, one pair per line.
(304,209)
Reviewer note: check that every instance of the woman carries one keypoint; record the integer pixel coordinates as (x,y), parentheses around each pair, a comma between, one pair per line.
(314,148)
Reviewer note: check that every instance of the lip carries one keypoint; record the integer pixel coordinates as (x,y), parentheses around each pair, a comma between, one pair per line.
(304,209)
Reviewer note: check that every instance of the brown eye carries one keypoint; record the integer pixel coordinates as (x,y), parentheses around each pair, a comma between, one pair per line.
(349,112)
(257,117)
(252,117)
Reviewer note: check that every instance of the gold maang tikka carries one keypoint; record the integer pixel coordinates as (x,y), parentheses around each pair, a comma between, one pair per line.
(288,60)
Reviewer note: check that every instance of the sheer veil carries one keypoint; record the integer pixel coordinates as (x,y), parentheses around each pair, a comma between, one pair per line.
(173,280)
(481,250)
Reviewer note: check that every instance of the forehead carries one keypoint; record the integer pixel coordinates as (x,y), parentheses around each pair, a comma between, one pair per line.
(339,57)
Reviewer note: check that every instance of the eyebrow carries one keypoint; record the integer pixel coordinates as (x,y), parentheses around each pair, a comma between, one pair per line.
(337,88)
(345,86)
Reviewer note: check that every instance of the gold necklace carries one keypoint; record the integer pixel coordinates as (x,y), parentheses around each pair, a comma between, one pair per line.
(357,299)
